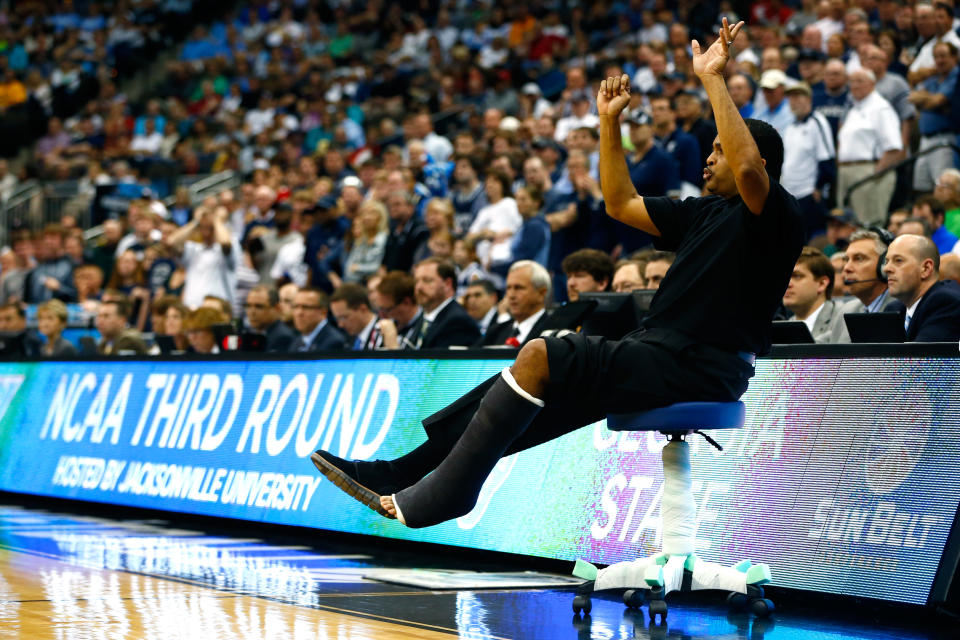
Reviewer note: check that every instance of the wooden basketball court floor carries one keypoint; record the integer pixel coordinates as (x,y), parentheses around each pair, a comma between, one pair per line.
(69,576)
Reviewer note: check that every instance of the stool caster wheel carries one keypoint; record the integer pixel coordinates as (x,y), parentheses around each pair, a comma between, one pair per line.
(658,608)
(737,601)
(762,607)
(634,598)
(582,603)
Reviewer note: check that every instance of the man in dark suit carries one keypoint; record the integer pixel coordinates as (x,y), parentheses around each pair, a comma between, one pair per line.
(263,316)
(116,337)
(444,323)
(310,320)
(350,306)
(931,307)
(406,232)
(528,287)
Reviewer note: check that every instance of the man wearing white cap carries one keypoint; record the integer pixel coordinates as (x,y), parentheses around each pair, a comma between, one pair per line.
(777,113)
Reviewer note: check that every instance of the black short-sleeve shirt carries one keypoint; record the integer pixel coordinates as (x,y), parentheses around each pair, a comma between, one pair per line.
(731,270)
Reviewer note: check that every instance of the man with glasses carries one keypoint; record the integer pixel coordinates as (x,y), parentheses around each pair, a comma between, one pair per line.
(310,320)
(401,315)
(263,315)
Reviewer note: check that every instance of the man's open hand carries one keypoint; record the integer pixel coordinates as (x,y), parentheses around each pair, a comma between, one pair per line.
(714,59)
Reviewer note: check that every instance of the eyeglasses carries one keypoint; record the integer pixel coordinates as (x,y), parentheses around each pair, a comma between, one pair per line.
(306,307)
(250,305)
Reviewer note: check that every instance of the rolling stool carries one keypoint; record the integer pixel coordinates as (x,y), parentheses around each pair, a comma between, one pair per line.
(677,568)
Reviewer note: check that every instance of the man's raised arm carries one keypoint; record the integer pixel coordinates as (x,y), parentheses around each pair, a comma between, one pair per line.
(736,143)
(619,195)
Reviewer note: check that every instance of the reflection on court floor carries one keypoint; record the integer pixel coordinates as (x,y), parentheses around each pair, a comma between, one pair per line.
(71,577)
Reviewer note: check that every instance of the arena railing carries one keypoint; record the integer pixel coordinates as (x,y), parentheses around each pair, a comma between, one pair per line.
(907,163)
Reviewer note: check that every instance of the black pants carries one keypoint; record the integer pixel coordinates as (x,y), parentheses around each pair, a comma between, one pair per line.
(591,377)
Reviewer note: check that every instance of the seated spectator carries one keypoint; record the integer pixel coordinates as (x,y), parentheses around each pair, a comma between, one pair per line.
(199,326)
(173,322)
(950,267)
(128,278)
(496,223)
(587,271)
(933,211)
(467,192)
(369,242)
(947,191)
(13,275)
(51,321)
(53,275)
(396,303)
(271,241)
(116,337)
(627,276)
(444,322)
(468,266)
(808,295)
(353,312)
(915,226)
(931,306)
(528,290)
(658,263)
(310,321)
(263,316)
(532,240)
(407,233)
(13,319)
(480,302)
(219,304)
(288,294)
(438,218)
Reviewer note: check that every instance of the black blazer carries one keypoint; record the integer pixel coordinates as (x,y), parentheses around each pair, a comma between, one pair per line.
(937,318)
(498,334)
(452,326)
(403,244)
(329,339)
(280,337)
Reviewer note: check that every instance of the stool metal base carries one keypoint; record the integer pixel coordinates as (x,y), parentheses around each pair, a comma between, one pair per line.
(648,581)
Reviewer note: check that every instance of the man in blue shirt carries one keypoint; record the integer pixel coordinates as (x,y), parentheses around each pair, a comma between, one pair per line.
(777,112)
(652,171)
(683,147)
(932,210)
(932,99)
(831,96)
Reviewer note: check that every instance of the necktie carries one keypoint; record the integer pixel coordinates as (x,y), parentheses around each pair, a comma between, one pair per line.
(906,322)
(516,331)
(304,344)
(357,344)
(424,326)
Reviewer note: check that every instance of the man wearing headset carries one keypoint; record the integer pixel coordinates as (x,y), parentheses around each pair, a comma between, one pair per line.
(863,276)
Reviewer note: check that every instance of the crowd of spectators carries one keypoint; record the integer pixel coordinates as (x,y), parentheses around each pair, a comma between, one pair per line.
(61,58)
(397,164)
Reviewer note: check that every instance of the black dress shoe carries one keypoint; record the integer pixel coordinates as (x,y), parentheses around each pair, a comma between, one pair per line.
(364,481)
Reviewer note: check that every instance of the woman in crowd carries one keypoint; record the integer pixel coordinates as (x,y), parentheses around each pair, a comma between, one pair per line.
(199,327)
(173,322)
(128,278)
(495,223)
(51,321)
(369,242)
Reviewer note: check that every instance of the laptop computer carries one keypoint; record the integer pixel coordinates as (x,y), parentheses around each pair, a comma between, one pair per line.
(875,327)
(790,332)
